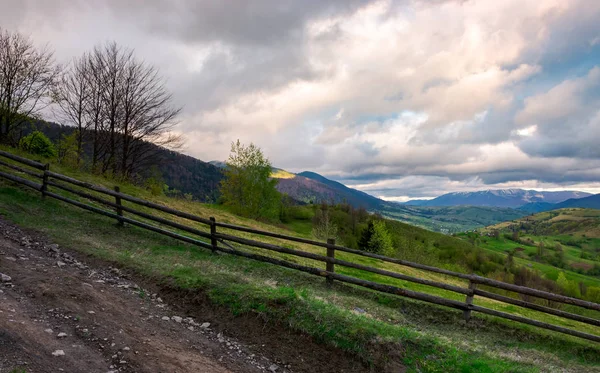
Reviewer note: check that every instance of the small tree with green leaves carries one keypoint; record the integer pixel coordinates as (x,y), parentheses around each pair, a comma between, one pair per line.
(67,150)
(39,144)
(248,188)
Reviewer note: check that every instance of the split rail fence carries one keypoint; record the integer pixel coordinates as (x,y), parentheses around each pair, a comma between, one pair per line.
(219,242)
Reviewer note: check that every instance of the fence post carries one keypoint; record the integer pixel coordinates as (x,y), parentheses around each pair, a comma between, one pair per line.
(330,254)
(469,300)
(45,180)
(119,209)
(213,234)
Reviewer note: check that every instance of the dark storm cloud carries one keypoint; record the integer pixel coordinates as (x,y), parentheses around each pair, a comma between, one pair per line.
(251,22)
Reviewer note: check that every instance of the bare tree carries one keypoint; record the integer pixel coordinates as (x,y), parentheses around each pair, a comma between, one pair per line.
(27,75)
(148,117)
(123,105)
(73,96)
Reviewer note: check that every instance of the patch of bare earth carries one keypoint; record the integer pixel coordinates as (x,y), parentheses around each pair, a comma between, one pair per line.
(59,314)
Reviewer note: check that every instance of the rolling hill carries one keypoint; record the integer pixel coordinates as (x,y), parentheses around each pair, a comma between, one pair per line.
(567,238)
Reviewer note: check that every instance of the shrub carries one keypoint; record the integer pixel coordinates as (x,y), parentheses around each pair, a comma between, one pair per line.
(39,144)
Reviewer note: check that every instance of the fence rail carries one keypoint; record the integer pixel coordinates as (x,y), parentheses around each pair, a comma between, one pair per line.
(220,241)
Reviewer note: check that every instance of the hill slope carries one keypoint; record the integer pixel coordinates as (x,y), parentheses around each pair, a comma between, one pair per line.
(185,174)
(591,202)
(566,238)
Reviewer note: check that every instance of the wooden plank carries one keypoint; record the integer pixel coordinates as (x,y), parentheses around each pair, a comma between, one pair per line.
(537,307)
(351,280)
(130,221)
(129,198)
(21,169)
(536,293)
(475,278)
(20,180)
(539,324)
(131,210)
(271,234)
(28,162)
(347,250)
(344,263)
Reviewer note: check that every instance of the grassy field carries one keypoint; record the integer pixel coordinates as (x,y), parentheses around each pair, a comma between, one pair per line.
(572,233)
(428,338)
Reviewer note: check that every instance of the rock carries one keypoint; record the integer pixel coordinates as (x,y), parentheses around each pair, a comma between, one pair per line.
(62,335)
(5,278)
(49,331)
(359,310)
(273,368)
(53,247)
(61,264)
(12,259)
(166,318)
(177,319)
(191,328)
(205,325)
(58,353)
(91,312)
(126,349)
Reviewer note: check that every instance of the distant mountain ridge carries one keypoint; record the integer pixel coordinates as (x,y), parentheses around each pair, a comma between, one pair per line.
(591,202)
(310,187)
(513,198)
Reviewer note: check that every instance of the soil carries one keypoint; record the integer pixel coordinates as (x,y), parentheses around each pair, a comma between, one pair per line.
(63,311)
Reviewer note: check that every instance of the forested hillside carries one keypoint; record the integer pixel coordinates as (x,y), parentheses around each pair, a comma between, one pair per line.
(181,173)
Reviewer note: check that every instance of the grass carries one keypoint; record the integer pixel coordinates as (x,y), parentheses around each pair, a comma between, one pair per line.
(575,230)
(425,337)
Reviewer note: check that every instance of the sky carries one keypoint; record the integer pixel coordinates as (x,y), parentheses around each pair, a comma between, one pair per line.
(402,99)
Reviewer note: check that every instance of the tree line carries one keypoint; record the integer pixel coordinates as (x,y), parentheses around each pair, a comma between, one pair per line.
(118,103)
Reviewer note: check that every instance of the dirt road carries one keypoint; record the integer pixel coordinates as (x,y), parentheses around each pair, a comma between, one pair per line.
(58,314)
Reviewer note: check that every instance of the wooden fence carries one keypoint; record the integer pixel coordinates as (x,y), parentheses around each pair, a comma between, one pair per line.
(218,241)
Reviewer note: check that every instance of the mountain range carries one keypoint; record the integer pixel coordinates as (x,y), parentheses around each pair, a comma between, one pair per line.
(452,212)
(512,198)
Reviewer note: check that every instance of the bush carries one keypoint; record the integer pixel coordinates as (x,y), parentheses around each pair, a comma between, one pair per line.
(37,143)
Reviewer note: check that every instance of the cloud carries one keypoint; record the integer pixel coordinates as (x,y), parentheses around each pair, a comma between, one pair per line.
(406,97)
